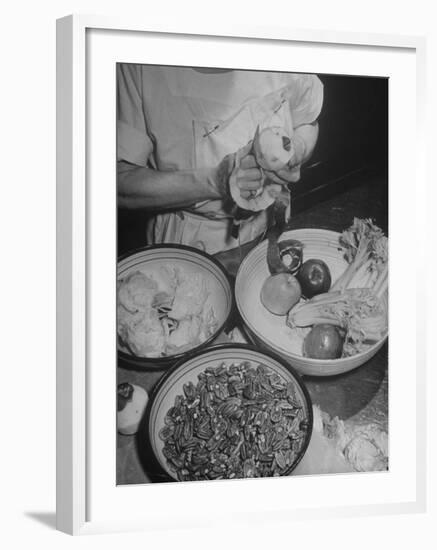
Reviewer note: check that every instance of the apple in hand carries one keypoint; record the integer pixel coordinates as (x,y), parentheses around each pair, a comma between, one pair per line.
(280,293)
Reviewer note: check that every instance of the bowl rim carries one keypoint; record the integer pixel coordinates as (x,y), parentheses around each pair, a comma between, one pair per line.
(277,348)
(145,429)
(157,363)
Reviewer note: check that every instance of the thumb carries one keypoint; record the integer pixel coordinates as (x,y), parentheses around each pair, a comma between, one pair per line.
(246,150)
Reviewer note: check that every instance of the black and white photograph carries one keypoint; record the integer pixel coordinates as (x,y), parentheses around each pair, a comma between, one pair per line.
(252,274)
(218,278)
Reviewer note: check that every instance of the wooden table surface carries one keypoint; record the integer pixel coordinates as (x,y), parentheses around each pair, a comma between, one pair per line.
(360,394)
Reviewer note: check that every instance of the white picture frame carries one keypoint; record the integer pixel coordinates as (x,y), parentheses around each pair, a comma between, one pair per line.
(78,235)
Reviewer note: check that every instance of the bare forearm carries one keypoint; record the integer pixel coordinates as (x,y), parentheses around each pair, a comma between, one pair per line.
(140,187)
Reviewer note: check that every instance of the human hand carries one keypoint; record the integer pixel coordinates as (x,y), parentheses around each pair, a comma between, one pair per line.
(242,171)
(248,176)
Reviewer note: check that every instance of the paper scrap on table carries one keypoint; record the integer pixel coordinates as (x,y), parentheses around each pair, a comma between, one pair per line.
(341,447)
(237,336)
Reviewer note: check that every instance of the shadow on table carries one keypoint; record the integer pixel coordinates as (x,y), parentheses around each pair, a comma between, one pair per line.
(348,394)
(45,518)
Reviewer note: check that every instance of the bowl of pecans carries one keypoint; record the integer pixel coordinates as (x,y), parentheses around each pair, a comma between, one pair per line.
(230,412)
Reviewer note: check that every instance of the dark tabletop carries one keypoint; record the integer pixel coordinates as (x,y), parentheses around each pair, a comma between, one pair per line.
(361,394)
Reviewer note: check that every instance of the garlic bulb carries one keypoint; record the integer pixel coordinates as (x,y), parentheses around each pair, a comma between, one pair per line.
(131,404)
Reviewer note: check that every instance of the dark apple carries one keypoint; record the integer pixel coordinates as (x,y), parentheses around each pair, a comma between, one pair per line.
(323,342)
(314,278)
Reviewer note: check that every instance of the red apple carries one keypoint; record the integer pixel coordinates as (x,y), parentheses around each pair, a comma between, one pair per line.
(314,278)
(323,342)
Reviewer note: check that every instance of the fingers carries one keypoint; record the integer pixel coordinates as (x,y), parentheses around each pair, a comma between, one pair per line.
(246,194)
(295,174)
(250,180)
(250,185)
(274,190)
(291,175)
(248,162)
(250,174)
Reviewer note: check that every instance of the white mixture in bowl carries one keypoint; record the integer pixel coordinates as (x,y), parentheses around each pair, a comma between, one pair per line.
(163,313)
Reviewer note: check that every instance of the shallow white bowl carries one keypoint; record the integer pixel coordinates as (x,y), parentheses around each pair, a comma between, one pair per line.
(270,331)
(191,260)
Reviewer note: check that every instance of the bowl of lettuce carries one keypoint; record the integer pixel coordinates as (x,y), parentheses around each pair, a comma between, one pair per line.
(172,300)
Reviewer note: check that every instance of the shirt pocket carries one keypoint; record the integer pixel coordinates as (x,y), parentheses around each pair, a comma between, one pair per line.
(214,139)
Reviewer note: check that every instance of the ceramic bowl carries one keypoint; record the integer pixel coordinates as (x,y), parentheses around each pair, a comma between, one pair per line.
(190,260)
(269,331)
(171,385)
